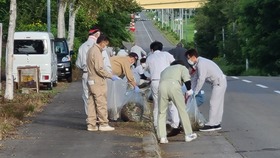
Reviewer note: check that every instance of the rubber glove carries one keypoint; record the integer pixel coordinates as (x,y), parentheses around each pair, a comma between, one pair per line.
(188,94)
(115,77)
(136,89)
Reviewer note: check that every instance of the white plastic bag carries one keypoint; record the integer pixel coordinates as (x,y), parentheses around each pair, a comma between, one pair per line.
(133,107)
(115,97)
(196,118)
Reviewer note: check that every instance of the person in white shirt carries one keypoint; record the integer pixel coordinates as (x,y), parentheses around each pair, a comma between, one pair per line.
(139,51)
(122,52)
(81,63)
(140,71)
(156,62)
(208,71)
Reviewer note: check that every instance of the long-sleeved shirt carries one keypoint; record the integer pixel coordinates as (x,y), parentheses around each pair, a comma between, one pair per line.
(96,71)
(157,62)
(121,66)
(175,73)
(81,61)
(122,52)
(106,59)
(207,71)
(138,50)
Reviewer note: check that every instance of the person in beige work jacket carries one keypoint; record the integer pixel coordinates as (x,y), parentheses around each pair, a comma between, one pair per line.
(97,101)
(121,66)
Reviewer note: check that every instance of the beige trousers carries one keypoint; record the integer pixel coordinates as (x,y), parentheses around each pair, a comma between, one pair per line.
(97,104)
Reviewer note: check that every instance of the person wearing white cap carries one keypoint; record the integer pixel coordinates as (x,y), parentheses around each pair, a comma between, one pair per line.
(81,63)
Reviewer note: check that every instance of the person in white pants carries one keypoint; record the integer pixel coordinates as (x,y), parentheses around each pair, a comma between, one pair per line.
(210,72)
(156,62)
(81,63)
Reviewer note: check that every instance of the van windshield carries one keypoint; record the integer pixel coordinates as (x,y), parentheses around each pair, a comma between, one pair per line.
(30,47)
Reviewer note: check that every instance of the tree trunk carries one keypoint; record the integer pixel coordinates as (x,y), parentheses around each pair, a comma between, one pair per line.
(72,17)
(9,93)
(61,18)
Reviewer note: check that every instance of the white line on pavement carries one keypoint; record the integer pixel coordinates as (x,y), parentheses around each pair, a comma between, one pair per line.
(235,77)
(147,32)
(262,86)
(247,81)
(277,91)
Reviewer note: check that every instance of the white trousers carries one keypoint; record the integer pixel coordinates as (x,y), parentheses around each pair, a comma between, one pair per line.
(85,91)
(217,103)
(173,118)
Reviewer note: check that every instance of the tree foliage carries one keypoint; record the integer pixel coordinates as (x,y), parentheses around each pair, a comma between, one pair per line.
(251,30)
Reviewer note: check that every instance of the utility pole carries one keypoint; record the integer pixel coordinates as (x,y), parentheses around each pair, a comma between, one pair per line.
(49,15)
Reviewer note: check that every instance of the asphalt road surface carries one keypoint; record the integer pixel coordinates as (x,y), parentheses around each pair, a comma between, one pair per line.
(251,120)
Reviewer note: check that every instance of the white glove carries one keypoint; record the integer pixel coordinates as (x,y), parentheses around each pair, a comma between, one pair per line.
(189,92)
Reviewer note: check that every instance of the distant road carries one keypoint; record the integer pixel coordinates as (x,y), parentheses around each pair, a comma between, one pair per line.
(146,33)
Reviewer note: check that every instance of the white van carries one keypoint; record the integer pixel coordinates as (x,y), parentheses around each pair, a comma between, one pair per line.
(36,49)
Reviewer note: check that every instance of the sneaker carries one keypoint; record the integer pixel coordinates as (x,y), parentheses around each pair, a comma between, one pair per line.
(106,128)
(210,128)
(92,128)
(190,137)
(163,140)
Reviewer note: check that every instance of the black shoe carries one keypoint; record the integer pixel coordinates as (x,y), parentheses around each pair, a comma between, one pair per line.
(210,128)
(174,132)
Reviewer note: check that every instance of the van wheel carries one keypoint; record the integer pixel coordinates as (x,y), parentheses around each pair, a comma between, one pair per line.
(55,84)
(50,86)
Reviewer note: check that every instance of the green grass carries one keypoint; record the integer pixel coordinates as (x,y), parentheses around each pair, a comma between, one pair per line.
(171,36)
(189,30)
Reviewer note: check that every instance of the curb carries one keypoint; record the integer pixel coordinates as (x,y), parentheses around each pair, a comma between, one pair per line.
(151,147)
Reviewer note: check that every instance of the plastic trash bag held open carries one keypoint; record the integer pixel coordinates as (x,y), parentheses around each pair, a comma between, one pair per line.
(133,106)
(196,118)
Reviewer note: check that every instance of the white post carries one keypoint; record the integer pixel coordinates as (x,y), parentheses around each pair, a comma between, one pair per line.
(223,35)
(247,64)
(1,56)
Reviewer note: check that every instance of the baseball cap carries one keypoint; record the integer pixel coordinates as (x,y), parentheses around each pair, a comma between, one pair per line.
(93,30)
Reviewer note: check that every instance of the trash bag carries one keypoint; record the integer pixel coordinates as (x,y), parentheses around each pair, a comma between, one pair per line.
(196,118)
(115,96)
(133,107)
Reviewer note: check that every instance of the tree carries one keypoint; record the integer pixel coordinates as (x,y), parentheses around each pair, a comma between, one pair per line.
(62,4)
(260,30)
(9,93)
(114,23)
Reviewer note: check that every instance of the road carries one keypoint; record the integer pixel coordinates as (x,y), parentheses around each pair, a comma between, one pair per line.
(251,120)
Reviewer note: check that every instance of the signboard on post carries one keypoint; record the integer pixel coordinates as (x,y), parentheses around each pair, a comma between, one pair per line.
(1,56)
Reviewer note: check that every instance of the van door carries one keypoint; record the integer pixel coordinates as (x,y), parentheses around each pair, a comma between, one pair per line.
(31,52)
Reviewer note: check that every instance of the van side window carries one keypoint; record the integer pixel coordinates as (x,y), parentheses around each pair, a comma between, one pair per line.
(29,47)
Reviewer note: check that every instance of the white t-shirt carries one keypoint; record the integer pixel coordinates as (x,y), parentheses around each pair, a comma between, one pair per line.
(157,62)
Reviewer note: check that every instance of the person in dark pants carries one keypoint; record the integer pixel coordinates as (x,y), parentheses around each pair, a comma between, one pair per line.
(179,53)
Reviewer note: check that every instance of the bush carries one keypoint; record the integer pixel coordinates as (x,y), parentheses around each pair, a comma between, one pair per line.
(251,72)
(227,68)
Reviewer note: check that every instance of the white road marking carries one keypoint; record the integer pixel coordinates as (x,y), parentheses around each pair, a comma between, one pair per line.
(235,77)
(277,91)
(147,32)
(247,81)
(262,86)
